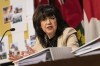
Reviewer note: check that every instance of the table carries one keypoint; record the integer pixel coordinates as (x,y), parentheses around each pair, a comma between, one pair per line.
(92,60)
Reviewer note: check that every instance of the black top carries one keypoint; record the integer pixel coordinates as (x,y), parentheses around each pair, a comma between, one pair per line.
(51,42)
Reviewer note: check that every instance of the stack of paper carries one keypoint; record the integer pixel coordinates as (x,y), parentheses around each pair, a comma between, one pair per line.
(33,58)
(48,54)
(90,48)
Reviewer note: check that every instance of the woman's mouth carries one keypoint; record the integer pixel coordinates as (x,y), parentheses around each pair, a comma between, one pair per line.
(49,27)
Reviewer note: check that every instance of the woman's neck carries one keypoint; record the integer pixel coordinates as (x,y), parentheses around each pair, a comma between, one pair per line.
(51,36)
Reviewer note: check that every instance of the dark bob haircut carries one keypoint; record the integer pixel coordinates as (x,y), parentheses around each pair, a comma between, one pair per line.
(42,12)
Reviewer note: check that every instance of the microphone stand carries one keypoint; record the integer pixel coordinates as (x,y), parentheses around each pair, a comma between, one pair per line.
(12,29)
(4,35)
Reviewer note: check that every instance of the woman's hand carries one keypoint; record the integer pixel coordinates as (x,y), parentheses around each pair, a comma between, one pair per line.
(14,57)
(30,49)
(21,54)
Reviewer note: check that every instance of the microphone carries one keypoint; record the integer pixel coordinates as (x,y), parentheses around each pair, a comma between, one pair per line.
(12,29)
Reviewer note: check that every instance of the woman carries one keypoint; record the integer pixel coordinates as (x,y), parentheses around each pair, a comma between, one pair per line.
(51,30)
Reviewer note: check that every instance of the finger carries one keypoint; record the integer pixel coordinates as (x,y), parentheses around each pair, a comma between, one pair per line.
(12,58)
(10,55)
(30,49)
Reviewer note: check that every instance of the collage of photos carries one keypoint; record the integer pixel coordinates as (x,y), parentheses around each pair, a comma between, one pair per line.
(32,40)
(7,13)
(3,54)
(12,14)
(14,50)
(17,16)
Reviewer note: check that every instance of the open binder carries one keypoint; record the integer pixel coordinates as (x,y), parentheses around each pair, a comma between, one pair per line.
(48,54)
(90,48)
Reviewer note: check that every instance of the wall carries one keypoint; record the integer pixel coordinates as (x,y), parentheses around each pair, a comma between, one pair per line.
(16,14)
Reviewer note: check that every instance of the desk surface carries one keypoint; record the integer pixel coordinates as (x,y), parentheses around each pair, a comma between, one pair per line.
(93,60)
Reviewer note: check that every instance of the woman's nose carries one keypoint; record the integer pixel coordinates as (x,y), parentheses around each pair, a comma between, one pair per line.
(48,21)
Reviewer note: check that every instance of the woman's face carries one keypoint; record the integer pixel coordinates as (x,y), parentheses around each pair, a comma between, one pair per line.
(49,26)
